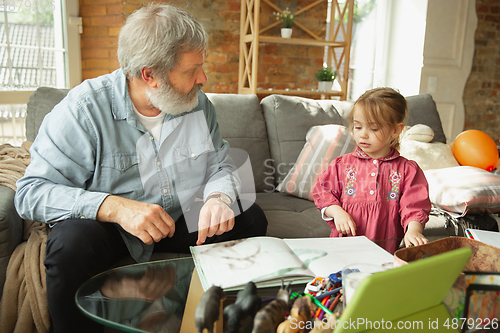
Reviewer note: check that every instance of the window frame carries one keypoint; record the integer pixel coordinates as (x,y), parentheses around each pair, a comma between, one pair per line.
(72,28)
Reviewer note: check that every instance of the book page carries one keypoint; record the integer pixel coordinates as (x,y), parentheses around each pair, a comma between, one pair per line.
(338,252)
(489,237)
(234,263)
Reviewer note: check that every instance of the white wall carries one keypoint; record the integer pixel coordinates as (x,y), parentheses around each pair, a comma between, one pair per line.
(448,55)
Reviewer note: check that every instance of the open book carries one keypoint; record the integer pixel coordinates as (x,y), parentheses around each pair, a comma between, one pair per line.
(266,260)
(489,237)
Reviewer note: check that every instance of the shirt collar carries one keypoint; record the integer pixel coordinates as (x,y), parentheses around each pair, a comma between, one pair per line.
(361,154)
(121,103)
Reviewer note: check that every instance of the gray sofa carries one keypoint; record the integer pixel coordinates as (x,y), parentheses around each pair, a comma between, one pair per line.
(272,131)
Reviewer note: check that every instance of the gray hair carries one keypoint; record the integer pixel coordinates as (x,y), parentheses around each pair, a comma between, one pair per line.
(156,36)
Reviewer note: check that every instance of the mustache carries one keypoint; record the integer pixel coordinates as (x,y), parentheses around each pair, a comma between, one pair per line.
(194,91)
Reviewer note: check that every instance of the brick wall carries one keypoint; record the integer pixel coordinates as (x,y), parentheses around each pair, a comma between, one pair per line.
(102,20)
(281,66)
(482,90)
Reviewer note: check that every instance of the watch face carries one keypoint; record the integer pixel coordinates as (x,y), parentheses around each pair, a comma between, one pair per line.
(225,199)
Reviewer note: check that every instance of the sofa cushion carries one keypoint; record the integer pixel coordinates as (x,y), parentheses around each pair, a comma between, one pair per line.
(324,143)
(41,102)
(288,118)
(242,124)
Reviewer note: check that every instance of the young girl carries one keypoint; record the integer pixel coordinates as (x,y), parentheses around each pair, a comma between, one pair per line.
(374,191)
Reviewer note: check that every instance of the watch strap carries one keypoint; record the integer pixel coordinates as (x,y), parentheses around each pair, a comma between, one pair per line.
(218,196)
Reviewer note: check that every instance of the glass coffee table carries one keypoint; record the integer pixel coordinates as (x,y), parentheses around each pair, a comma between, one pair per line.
(140,297)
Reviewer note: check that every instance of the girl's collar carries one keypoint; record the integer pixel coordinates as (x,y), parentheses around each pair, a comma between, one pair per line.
(392,154)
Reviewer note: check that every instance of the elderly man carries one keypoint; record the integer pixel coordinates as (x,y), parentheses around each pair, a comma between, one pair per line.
(116,165)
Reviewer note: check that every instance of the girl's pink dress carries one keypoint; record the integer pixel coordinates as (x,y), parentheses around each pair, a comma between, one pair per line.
(382,195)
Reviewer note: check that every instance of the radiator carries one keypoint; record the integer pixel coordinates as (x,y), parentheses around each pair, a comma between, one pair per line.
(12,124)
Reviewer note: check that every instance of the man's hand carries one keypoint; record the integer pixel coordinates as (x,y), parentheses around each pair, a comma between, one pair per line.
(150,223)
(343,221)
(215,219)
(154,284)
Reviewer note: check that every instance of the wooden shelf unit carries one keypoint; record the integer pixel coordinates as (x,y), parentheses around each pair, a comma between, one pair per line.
(339,37)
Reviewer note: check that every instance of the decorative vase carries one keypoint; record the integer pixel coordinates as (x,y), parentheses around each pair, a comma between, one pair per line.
(286,32)
(325,85)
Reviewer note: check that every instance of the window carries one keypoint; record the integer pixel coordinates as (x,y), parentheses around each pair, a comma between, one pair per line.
(387,46)
(39,46)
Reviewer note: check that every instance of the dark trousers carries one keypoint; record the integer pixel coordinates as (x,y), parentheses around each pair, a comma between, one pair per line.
(79,249)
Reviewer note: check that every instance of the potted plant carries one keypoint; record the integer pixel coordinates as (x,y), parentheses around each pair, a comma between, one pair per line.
(286,18)
(325,76)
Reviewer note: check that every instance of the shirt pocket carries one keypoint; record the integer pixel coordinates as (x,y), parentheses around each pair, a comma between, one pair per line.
(120,175)
(191,163)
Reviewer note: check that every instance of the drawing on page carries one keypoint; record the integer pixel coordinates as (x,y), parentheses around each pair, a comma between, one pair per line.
(237,259)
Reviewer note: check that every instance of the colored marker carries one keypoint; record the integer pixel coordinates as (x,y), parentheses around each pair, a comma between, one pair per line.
(322,313)
(469,234)
(328,293)
(320,310)
(315,301)
(335,302)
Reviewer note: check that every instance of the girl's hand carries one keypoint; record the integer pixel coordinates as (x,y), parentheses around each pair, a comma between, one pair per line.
(343,221)
(414,235)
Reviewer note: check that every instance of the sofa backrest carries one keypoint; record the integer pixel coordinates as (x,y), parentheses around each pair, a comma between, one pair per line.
(288,118)
(41,102)
(272,132)
(243,126)
(422,110)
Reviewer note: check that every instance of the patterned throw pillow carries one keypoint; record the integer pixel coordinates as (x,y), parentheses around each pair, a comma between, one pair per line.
(464,189)
(323,144)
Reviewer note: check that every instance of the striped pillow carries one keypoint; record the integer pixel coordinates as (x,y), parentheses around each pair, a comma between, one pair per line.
(464,189)
(323,144)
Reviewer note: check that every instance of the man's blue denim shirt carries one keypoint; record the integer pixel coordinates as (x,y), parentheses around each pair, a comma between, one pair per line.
(92,145)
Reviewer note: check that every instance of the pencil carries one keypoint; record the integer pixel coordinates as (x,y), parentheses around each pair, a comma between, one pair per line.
(322,313)
(321,308)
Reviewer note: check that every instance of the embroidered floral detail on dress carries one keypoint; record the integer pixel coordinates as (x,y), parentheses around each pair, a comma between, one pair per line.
(392,154)
(350,189)
(395,179)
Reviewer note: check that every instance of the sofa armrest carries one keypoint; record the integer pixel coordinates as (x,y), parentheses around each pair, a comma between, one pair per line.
(11,229)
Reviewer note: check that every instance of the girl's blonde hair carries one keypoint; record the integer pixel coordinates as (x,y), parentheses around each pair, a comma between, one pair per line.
(385,107)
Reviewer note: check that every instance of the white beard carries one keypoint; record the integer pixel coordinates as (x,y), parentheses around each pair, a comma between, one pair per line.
(170,100)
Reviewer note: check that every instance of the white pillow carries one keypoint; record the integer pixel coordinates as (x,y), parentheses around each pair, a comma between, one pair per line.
(428,156)
(464,189)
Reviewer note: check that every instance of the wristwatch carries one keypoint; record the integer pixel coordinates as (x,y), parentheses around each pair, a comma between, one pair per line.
(221,196)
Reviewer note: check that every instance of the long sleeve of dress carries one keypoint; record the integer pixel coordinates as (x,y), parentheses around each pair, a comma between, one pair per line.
(327,190)
(415,204)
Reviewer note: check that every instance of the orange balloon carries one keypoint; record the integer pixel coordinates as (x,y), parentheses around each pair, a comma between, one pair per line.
(476,148)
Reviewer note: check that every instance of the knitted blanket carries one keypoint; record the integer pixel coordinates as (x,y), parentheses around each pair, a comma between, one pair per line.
(24,307)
